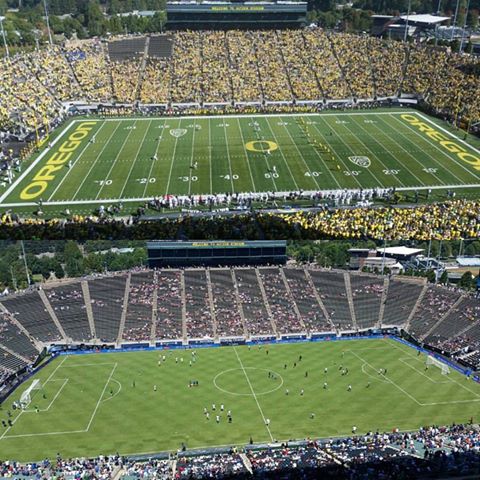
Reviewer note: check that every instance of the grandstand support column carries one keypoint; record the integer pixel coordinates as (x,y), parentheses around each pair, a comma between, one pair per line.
(54,316)
(348,288)
(292,300)
(415,307)
(240,306)
(443,317)
(123,317)
(184,307)
(38,344)
(153,327)
(15,354)
(210,301)
(267,306)
(88,307)
(386,284)
(319,299)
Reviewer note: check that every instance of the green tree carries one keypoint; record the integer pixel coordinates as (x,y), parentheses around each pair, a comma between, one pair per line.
(466,281)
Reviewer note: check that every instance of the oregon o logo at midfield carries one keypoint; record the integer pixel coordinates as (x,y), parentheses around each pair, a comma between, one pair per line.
(261,146)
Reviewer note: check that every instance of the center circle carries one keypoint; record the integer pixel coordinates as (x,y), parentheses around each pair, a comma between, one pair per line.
(258,380)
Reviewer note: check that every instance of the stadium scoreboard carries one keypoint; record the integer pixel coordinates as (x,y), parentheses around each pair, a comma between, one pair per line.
(222,15)
(210,253)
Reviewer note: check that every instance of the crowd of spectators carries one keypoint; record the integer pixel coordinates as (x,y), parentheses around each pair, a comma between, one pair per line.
(430,452)
(235,66)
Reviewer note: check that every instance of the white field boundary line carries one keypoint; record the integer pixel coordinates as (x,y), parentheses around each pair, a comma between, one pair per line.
(65,380)
(246,157)
(35,163)
(93,164)
(72,167)
(116,393)
(278,195)
(411,155)
(283,155)
(253,394)
(101,396)
(374,156)
(257,115)
(388,379)
(157,147)
(20,414)
(449,378)
(227,145)
(436,147)
(136,158)
(70,431)
(117,156)
(173,159)
(403,360)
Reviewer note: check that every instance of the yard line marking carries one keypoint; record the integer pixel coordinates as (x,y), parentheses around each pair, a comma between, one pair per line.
(443,152)
(266,159)
(33,165)
(407,152)
(101,396)
(74,163)
(115,161)
(136,158)
(20,414)
(374,156)
(246,155)
(153,162)
(389,379)
(191,160)
(94,163)
(253,393)
(228,156)
(210,155)
(284,159)
(334,150)
(173,159)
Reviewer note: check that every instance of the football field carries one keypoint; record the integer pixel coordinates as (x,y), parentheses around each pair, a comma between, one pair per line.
(92,161)
(106,403)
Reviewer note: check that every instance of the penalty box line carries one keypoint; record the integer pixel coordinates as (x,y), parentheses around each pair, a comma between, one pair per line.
(70,431)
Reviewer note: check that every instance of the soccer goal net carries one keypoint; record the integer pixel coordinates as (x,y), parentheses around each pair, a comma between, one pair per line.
(437,363)
(26,396)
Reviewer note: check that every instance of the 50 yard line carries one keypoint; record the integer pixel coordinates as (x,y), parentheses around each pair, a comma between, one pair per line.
(253,393)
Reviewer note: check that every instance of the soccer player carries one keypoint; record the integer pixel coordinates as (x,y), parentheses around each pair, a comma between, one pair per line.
(312,415)
(229,414)
(286,392)
(349,388)
(155,156)
(302,392)
(217,418)
(207,416)
(325,370)
(204,410)
(154,388)
(213,407)
(306,374)
(267,422)
(325,385)
(222,407)
(368,385)
(354,429)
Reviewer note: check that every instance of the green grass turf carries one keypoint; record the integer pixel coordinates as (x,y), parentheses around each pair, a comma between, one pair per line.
(91,406)
(118,164)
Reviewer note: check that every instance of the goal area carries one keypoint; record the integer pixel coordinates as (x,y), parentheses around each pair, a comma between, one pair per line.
(437,363)
(26,397)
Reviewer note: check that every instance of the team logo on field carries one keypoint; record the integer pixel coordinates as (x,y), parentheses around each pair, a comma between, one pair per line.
(261,146)
(178,132)
(360,161)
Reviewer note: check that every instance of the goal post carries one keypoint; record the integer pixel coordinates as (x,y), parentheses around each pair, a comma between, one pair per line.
(26,397)
(437,363)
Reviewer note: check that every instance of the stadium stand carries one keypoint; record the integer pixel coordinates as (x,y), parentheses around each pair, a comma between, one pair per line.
(224,67)
(69,306)
(246,302)
(169,305)
(138,321)
(199,317)
(107,296)
(435,304)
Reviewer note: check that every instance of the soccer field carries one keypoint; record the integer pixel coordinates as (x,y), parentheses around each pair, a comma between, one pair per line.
(106,403)
(94,161)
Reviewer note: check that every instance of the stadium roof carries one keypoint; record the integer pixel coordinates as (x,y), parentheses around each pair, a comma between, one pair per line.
(424,18)
(468,261)
(404,251)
